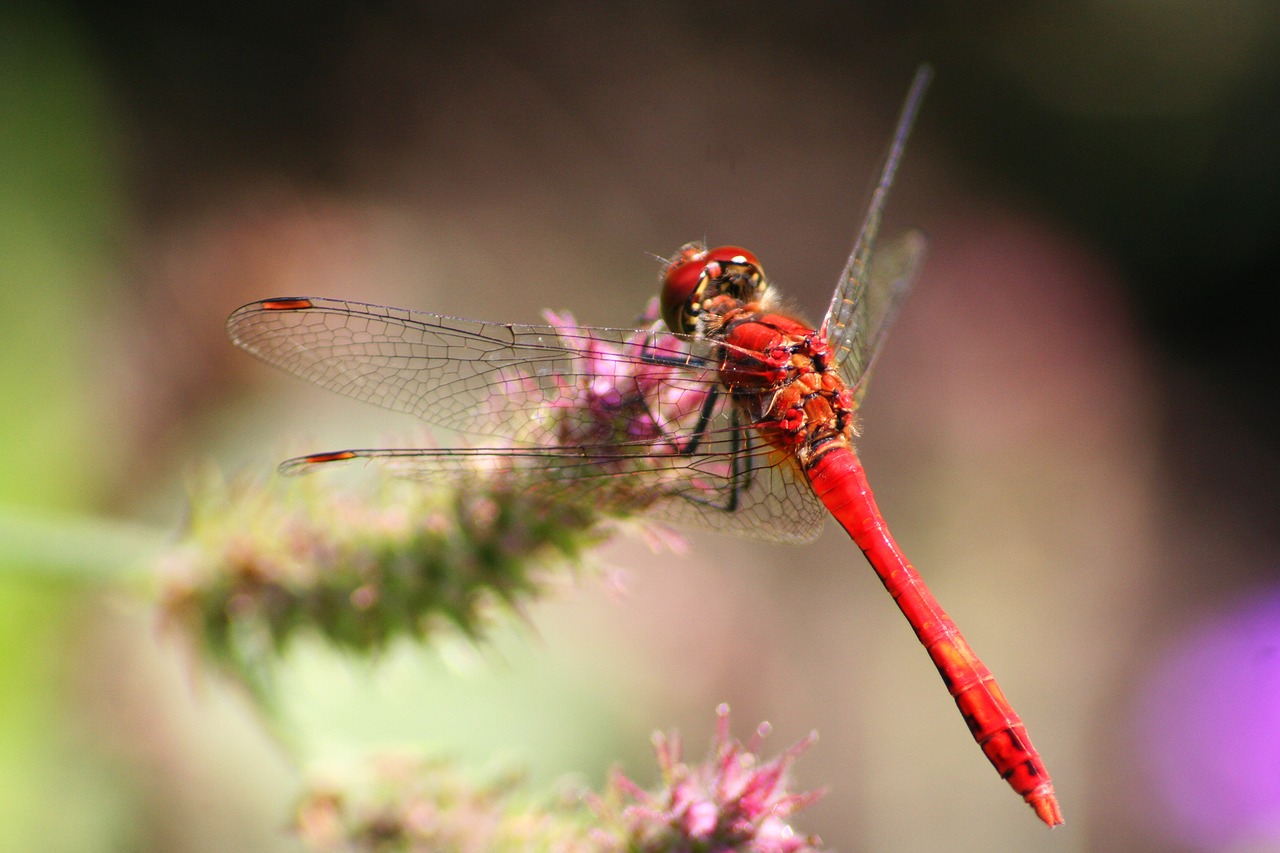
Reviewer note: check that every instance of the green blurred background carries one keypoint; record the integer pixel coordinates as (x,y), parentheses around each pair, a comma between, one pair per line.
(1074,428)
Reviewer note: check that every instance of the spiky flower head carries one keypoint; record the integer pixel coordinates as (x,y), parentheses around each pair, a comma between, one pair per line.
(733,801)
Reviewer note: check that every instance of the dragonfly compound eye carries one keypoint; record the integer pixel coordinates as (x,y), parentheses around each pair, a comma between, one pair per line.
(698,273)
(734,272)
(682,286)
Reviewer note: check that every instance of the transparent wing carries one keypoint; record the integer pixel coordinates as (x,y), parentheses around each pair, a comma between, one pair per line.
(870,304)
(632,419)
(754,493)
(871,288)
(464,375)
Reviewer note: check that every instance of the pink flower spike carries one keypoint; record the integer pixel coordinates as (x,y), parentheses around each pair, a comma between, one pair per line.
(757,739)
(733,801)
(722,723)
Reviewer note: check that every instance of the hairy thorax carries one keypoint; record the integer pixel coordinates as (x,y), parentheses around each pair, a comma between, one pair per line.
(779,371)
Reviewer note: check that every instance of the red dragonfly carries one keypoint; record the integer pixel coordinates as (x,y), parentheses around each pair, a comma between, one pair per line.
(727,415)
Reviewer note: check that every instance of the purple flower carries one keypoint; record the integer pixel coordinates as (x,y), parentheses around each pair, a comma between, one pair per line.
(734,801)
(262,564)
(616,398)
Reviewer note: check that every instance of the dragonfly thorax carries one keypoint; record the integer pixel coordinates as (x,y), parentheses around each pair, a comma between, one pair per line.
(697,275)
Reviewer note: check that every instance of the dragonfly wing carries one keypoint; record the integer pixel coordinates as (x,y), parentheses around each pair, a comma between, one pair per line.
(756,496)
(631,420)
(754,492)
(497,379)
(868,294)
(872,306)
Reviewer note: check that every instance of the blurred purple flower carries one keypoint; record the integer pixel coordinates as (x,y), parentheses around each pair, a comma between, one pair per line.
(261,564)
(613,399)
(734,801)
(1209,719)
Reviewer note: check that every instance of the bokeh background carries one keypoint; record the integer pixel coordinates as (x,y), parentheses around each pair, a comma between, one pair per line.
(1073,430)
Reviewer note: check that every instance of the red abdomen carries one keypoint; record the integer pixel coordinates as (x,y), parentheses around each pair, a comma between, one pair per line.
(840,483)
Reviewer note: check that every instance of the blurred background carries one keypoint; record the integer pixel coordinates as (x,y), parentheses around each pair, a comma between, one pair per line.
(1073,429)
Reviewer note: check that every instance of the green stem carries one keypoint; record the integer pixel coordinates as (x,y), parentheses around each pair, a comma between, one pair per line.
(84,548)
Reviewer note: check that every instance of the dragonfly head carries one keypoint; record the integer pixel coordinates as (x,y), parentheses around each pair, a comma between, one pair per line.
(697,274)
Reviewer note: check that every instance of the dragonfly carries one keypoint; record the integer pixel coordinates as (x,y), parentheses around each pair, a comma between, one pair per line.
(728,414)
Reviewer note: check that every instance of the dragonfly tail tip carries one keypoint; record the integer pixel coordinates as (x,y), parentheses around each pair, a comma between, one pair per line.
(1048,810)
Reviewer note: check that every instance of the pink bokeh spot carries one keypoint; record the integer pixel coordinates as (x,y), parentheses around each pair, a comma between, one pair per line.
(1209,718)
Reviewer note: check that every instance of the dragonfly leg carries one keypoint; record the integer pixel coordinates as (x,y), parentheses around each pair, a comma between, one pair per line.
(741,471)
(671,361)
(704,420)
(741,468)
